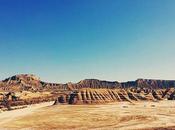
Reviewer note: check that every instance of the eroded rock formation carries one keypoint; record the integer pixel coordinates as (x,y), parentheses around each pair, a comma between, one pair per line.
(89,91)
(96,96)
(28,82)
(31,82)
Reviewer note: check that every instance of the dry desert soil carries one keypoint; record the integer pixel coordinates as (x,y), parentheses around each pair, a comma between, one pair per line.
(119,116)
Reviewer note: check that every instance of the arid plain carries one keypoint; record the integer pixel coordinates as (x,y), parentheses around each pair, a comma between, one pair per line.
(120,115)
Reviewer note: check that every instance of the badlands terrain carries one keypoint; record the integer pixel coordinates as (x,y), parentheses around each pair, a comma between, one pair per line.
(26,102)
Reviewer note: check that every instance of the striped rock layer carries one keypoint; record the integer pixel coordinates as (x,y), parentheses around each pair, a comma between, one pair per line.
(96,96)
(93,91)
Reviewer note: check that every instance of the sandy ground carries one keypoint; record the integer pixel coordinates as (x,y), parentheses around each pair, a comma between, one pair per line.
(119,116)
(9,116)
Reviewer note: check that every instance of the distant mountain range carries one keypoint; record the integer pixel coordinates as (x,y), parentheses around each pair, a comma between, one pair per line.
(31,82)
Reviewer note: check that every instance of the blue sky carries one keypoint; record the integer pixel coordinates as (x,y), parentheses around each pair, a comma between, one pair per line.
(71,40)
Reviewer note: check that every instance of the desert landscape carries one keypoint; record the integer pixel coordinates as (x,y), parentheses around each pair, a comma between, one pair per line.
(29,103)
(119,116)
(87,65)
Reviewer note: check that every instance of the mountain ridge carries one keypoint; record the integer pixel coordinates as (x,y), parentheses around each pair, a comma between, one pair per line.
(32,82)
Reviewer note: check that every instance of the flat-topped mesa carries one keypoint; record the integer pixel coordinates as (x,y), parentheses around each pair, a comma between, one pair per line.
(149,83)
(95,83)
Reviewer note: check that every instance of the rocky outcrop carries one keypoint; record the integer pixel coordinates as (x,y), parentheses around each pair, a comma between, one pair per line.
(98,96)
(21,83)
(28,82)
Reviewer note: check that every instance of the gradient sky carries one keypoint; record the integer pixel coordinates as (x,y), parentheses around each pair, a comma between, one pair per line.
(71,40)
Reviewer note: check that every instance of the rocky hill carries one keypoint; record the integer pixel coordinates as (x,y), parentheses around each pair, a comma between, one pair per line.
(28,82)
(21,82)
(31,82)
(88,91)
(94,83)
(149,83)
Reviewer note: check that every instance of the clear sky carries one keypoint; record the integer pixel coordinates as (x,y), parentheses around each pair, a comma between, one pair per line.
(71,40)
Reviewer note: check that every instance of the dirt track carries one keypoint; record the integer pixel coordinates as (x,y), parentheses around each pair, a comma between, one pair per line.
(121,115)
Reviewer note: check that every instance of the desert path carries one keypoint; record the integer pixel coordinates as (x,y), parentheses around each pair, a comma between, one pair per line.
(9,116)
(119,115)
